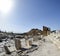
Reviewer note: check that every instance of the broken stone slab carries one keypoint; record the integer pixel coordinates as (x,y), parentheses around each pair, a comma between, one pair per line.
(7,50)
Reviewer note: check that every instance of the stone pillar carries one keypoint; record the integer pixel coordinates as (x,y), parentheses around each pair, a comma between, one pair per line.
(30,42)
(17,44)
(27,43)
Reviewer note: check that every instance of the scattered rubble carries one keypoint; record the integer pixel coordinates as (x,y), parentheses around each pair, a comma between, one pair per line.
(47,44)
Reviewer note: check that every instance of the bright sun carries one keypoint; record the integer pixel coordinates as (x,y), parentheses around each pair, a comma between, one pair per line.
(5,6)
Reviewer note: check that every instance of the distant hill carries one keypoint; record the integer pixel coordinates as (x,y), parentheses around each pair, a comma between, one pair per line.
(33,32)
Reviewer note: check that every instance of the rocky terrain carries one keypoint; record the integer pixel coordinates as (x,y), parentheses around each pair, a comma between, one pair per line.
(48,46)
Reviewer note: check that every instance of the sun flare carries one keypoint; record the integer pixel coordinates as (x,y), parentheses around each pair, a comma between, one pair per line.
(6,6)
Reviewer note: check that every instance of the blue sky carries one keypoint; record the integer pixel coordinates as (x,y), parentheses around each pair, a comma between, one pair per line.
(28,14)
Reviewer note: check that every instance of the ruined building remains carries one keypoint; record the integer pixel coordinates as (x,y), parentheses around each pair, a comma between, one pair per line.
(46,31)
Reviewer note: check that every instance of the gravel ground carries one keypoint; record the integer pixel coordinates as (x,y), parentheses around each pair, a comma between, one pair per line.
(46,48)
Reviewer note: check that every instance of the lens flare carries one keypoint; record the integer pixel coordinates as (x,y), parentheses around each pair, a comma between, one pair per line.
(6,6)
